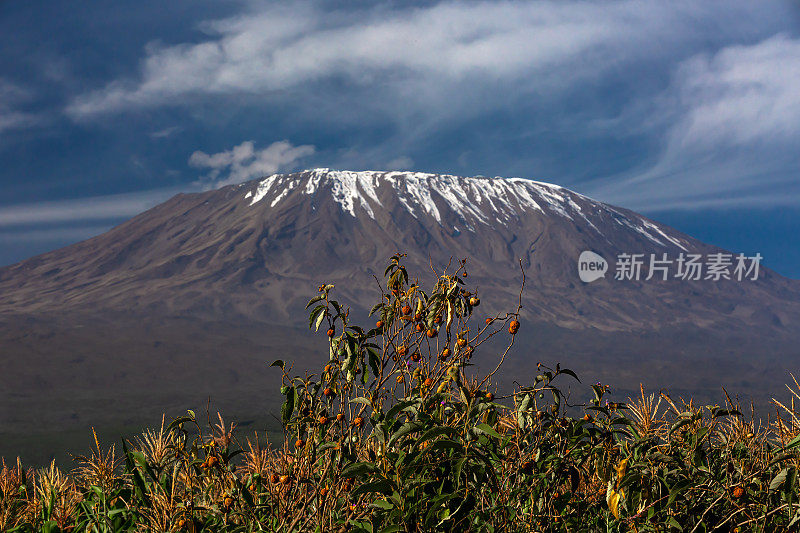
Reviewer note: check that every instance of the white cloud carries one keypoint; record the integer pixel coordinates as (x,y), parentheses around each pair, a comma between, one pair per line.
(12,97)
(549,44)
(400,163)
(734,133)
(118,206)
(244,162)
(166,132)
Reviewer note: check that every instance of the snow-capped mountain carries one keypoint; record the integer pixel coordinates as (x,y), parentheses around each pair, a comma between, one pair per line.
(190,298)
(254,251)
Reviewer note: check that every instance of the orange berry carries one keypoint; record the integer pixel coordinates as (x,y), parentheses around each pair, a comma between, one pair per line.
(274,478)
(587,418)
(323,491)
(445,354)
(420,327)
(474,301)
(488,321)
(432,333)
(358,421)
(513,326)
(402,351)
(299,443)
(286,479)
(339,417)
(738,492)
(379,324)
(328,391)
(212,461)
(227,502)
(428,382)
(438,319)
(322,420)
(461,342)
(416,357)
(489,397)
(406,309)
(331,332)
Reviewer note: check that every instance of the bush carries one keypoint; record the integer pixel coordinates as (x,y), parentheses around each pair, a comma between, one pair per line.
(396,433)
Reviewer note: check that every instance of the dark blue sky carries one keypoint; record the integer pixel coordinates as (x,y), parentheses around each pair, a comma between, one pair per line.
(688,112)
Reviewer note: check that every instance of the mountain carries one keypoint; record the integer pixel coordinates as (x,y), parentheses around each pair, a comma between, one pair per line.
(192,297)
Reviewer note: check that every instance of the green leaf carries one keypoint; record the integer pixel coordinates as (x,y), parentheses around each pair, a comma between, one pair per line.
(405,429)
(288,406)
(778,480)
(374,361)
(314,300)
(569,372)
(381,486)
(384,504)
(358,469)
(485,428)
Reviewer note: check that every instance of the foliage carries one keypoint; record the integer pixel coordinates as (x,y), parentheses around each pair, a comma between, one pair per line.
(397,434)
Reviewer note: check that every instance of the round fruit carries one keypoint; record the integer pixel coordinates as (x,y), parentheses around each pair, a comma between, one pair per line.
(285,479)
(489,397)
(513,326)
(738,492)
(322,420)
(417,317)
(488,321)
(299,443)
(420,327)
(416,357)
(445,354)
(474,301)
(432,333)
(331,332)
(227,502)
(406,309)
(274,478)
(358,421)
(428,382)
(323,491)
(212,461)
(328,391)
(438,319)
(339,417)
(464,274)
(461,342)
(402,351)
(587,418)
(379,324)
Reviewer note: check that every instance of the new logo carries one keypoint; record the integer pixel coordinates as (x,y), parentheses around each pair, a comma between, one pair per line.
(591,266)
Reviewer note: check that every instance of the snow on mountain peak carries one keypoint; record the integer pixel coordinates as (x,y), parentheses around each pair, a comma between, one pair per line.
(476,200)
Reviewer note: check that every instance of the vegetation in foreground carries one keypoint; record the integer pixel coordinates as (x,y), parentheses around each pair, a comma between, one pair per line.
(397,434)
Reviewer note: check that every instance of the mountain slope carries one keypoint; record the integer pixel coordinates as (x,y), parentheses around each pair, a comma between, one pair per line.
(253,251)
(191,298)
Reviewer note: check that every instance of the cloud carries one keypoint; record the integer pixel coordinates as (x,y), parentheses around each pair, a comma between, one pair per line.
(12,98)
(549,43)
(244,162)
(734,125)
(166,132)
(108,207)
(400,163)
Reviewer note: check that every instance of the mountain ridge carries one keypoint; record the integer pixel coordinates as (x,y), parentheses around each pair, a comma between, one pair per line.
(192,298)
